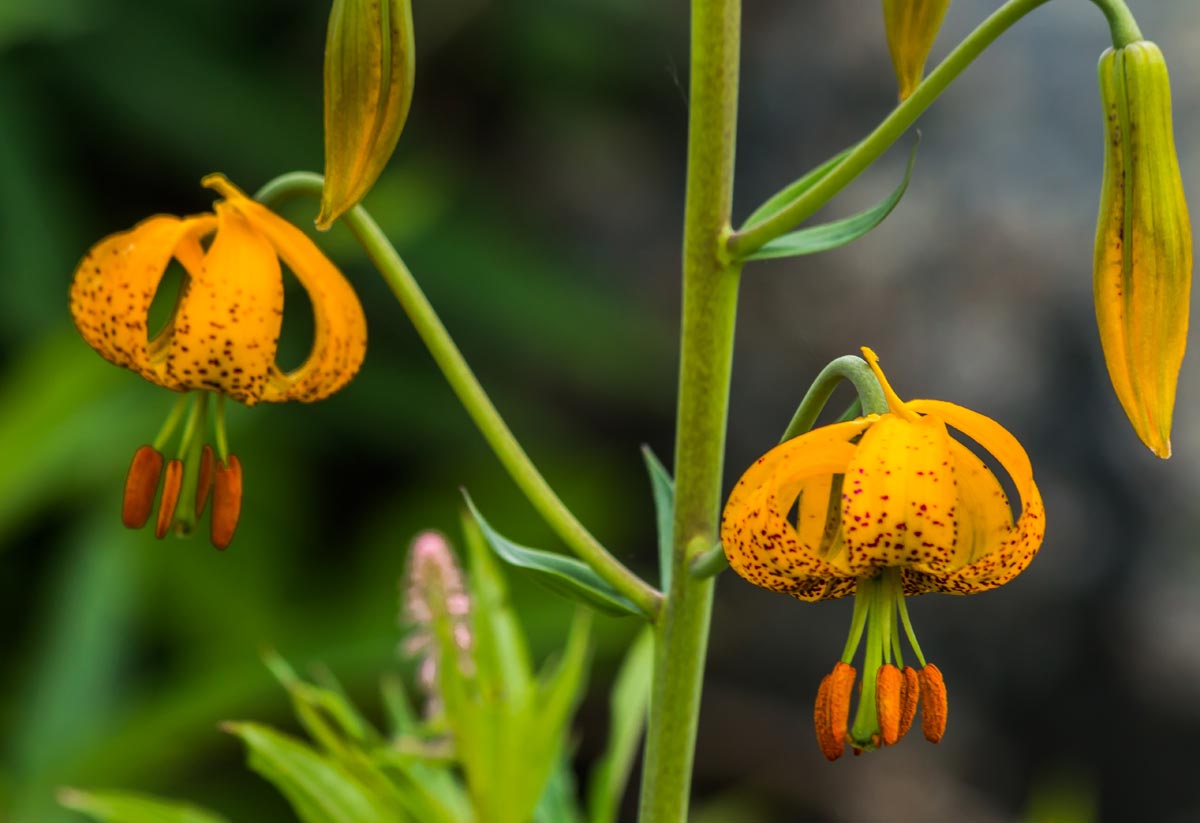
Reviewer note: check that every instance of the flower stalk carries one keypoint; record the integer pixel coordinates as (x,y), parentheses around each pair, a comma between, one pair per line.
(471,394)
(750,239)
(710,283)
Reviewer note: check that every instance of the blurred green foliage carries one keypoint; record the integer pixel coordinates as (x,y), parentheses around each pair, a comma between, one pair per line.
(536,196)
(125,652)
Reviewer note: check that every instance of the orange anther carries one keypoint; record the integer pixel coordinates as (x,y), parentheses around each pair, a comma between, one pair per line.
(227,501)
(140,486)
(933,692)
(909,695)
(830,746)
(205,481)
(173,478)
(836,691)
(888,686)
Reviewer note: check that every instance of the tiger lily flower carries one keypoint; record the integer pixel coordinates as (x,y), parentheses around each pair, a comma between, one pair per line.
(882,507)
(219,341)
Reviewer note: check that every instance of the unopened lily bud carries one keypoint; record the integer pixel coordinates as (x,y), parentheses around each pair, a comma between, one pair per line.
(1143,262)
(911,26)
(369,69)
(141,484)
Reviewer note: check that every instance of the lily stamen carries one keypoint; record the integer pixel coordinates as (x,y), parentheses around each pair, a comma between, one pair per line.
(884,507)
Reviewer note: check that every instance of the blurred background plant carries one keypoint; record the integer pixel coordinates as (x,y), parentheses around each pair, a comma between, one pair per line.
(490,742)
(536,196)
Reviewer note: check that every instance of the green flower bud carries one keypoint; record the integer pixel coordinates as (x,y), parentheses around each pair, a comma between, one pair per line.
(1143,262)
(369,68)
(912,26)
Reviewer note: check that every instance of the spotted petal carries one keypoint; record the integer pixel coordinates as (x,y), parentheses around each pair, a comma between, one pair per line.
(115,284)
(900,502)
(1004,553)
(760,542)
(339,327)
(226,328)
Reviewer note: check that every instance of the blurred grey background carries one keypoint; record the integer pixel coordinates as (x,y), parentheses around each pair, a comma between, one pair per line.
(537,195)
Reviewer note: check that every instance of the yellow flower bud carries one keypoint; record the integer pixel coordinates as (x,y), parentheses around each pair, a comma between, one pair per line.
(912,26)
(369,69)
(1143,262)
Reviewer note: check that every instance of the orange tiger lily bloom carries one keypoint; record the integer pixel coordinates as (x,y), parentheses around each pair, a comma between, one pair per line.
(882,507)
(220,340)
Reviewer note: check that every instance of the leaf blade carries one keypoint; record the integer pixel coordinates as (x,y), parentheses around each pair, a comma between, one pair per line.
(130,807)
(628,703)
(663,489)
(564,575)
(782,198)
(837,233)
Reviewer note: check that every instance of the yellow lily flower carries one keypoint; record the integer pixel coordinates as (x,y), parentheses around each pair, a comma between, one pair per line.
(220,340)
(882,507)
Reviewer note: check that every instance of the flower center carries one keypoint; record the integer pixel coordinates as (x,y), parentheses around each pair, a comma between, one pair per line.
(890,691)
(190,478)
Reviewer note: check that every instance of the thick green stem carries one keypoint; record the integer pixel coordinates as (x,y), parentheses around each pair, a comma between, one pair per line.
(710,285)
(751,239)
(1120,22)
(474,399)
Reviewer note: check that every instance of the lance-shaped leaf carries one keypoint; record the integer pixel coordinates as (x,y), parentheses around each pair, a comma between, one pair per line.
(837,233)
(628,702)
(319,789)
(784,197)
(567,576)
(126,807)
(663,488)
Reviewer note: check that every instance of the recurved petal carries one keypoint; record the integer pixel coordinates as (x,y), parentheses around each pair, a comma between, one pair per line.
(1021,542)
(339,327)
(900,504)
(115,284)
(985,515)
(760,542)
(989,434)
(227,325)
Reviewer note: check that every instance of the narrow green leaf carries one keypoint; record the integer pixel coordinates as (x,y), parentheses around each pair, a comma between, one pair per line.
(558,803)
(319,789)
(838,232)
(628,702)
(663,488)
(563,683)
(548,722)
(431,792)
(782,198)
(564,575)
(127,807)
(501,652)
(401,716)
